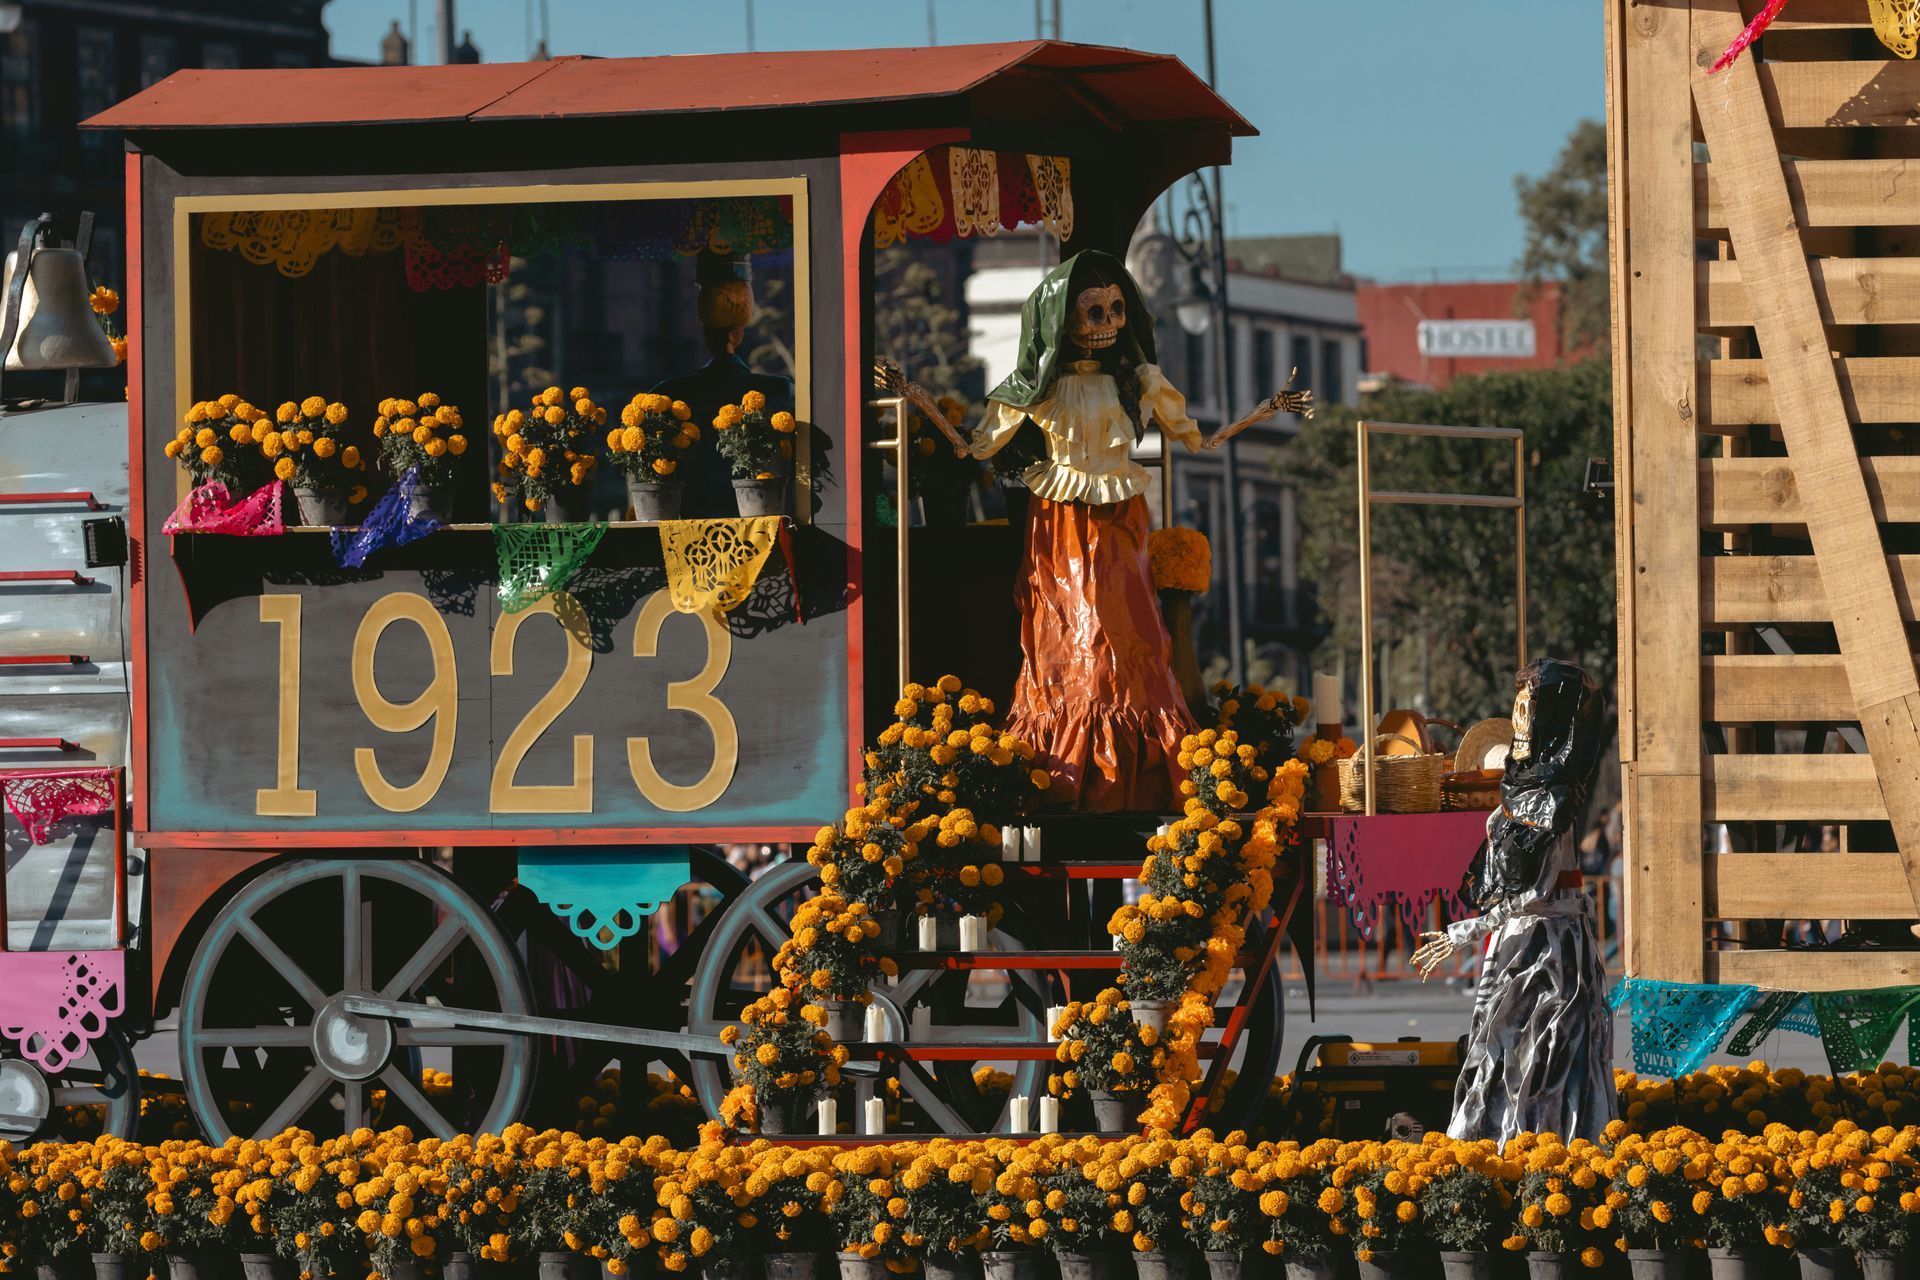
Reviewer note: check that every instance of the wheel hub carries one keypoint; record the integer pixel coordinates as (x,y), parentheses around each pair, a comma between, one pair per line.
(25,1099)
(348,1045)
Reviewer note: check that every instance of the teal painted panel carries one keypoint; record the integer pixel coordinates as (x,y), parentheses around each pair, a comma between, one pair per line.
(604,893)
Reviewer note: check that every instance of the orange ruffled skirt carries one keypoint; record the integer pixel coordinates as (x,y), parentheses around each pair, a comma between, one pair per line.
(1096,695)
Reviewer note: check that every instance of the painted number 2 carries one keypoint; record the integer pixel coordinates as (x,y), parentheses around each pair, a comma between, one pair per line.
(438,704)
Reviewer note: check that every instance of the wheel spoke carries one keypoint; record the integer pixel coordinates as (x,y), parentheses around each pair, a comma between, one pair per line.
(415,1101)
(353,930)
(295,1104)
(431,955)
(353,1108)
(274,1036)
(278,960)
(447,1037)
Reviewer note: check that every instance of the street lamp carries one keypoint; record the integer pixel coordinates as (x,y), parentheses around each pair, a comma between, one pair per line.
(1194,305)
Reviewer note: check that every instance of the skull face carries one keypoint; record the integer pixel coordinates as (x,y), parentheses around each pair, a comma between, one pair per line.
(1099,314)
(1522,724)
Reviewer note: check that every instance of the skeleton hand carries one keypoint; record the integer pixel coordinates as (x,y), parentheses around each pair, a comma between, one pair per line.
(1433,950)
(888,378)
(1282,401)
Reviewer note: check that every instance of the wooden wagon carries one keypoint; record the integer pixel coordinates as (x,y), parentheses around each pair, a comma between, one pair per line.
(1766,285)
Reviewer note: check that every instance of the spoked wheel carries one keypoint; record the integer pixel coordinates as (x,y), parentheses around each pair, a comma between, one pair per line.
(983,1007)
(96,1094)
(266,1042)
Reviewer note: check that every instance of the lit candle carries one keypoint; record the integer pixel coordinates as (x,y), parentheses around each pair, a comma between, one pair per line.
(1049,1115)
(1017,1113)
(1031,842)
(829,1117)
(876,1115)
(1009,843)
(1326,699)
(876,1029)
(929,934)
(1055,1012)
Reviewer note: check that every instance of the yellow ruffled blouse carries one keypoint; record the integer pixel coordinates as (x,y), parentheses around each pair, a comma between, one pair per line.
(1089,434)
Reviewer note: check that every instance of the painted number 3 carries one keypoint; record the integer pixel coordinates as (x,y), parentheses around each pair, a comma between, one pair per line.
(438,705)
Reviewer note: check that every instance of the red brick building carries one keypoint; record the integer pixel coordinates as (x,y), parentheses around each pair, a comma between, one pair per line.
(1429,334)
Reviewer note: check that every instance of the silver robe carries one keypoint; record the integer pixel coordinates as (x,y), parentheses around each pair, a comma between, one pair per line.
(1540,1056)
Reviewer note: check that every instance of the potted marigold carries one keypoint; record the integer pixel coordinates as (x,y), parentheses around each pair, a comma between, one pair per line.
(1651,1199)
(1104,1051)
(858,1201)
(1181,561)
(943,752)
(1558,1191)
(117,1186)
(482,1201)
(1146,1178)
(217,445)
(192,1207)
(301,1206)
(50,1224)
(1467,1208)
(957,873)
(653,437)
(831,951)
(1261,718)
(758,447)
(1391,1241)
(419,442)
(1744,1203)
(392,1218)
(1222,1201)
(789,1187)
(708,1224)
(782,1061)
(1850,1196)
(865,856)
(616,1215)
(1011,1206)
(1079,1226)
(327,475)
(547,453)
(938,1187)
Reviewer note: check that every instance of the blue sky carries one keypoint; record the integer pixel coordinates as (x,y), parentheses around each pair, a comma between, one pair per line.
(1399,123)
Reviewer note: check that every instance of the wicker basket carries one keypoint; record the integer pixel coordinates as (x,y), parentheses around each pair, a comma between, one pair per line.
(1404,784)
(1471,789)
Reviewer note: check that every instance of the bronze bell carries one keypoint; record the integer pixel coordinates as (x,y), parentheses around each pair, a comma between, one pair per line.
(47,307)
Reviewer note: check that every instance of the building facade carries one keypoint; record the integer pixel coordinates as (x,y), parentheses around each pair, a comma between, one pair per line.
(1426,335)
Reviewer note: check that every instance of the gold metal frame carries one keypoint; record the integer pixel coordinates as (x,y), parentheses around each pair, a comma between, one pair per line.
(794,188)
(1516,503)
(902,449)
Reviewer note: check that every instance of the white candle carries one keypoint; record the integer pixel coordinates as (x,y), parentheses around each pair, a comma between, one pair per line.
(1009,843)
(876,1029)
(829,1117)
(1118,941)
(1055,1012)
(876,1115)
(1326,699)
(922,1022)
(1031,843)
(973,933)
(929,934)
(1017,1114)
(1049,1115)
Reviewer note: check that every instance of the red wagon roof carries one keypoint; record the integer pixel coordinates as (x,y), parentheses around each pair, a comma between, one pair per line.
(1120,87)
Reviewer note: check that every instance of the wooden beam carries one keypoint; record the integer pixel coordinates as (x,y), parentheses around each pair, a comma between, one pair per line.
(1811,95)
(1792,788)
(1769,688)
(1815,970)
(1664,871)
(1855,579)
(1821,193)
(1849,290)
(1739,393)
(1737,589)
(1620,317)
(1807,886)
(1805,15)
(1743,491)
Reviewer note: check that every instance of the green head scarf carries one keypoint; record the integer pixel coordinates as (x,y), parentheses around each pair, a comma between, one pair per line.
(1043,322)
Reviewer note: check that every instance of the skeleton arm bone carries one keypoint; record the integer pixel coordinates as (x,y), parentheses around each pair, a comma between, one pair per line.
(887,376)
(1283,401)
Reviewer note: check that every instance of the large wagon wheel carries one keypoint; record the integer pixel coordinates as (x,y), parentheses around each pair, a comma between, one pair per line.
(265,1042)
(726,979)
(97,1093)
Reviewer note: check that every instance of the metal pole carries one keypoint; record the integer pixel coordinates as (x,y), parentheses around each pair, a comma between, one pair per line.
(749,26)
(1520,541)
(1366,612)
(444,10)
(1223,393)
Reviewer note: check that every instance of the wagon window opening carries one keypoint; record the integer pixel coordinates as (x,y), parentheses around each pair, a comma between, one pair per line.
(487,305)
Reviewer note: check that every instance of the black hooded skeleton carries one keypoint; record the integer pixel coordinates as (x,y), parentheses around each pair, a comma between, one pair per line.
(1540,1055)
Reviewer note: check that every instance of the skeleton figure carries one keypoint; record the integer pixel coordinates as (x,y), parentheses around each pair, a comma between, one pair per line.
(1540,1054)
(1095,696)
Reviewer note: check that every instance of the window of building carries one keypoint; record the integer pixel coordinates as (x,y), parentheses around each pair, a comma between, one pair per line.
(1265,383)
(159,58)
(20,82)
(219,56)
(1302,359)
(1333,372)
(93,83)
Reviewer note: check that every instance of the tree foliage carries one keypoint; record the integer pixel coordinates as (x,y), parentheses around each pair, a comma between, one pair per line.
(1447,573)
(918,328)
(1565,212)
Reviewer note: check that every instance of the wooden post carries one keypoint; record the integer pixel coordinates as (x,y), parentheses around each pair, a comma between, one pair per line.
(1657,423)
(1751,188)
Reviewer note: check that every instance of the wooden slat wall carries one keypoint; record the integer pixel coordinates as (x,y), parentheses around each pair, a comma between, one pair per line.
(1766,276)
